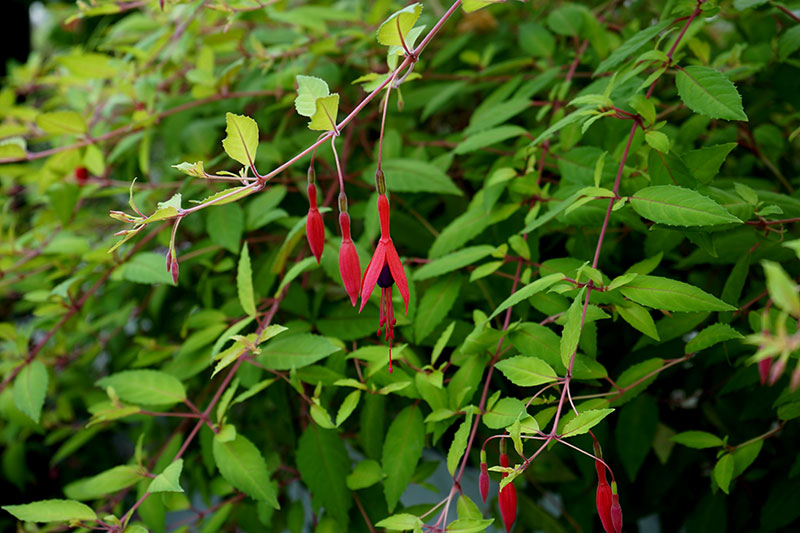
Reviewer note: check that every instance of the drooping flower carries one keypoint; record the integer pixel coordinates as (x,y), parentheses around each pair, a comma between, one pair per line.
(507,498)
(349,264)
(616,510)
(764,367)
(384,269)
(315,230)
(483,479)
(604,496)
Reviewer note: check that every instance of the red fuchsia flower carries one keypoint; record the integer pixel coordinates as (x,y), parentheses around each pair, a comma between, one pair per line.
(764,367)
(507,498)
(776,371)
(349,264)
(604,495)
(483,479)
(315,230)
(384,269)
(616,510)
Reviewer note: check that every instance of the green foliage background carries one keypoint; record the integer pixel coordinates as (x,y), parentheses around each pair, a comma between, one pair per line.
(500,159)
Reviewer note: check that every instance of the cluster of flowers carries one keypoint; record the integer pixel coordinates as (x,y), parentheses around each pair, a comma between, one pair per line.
(384,268)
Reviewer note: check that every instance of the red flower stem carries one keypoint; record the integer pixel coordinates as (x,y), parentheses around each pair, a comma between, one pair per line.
(787,12)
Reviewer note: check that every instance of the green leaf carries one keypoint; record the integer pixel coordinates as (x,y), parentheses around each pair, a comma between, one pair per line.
(527,291)
(365,474)
(52,511)
(62,122)
(30,389)
(634,433)
(469,525)
(225,225)
(295,351)
(244,282)
(489,137)
(324,118)
(459,444)
(704,163)
(323,463)
(309,89)
(474,5)
(677,206)
(503,413)
(394,30)
(534,39)
(242,465)
(697,439)
(789,42)
(638,317)
(635,373)
(297,269)
(671,295)
(169,479)
(657,140)
(585,421)
(148,268)
(566,20)
(707,91)
(526,371)
(146,387)
(104,483)
(413,175)
(436,302)
(348,406)
(453,261)
(723,472)
(402,450)
(782,289)
(195,169)
(710,336)
(241,140)
(400,522)
(571,333)
(630,47)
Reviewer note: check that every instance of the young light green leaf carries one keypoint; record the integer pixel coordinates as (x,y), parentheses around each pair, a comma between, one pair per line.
(59,122)
(723,472)
(321,416)
(104,483)
(348,406)
(697,439)
(30,389)
(241,141)
(295,351)
(526,371)
(585,421)
(459,444)
(657,140)
(324,118)
(710,336)
(169,479)
(503,413)
(677,206)
(571,333)
(527,291)
(442,341)
(243,466)
(782,289)
(146,387)
(707,91)
(474,5)
(400,522)
(309,89)
(195,169)
(672,295)
(244,282)
(51,511)
(297,269)
(630,47)
(394,30)
(365,474)
(402,450)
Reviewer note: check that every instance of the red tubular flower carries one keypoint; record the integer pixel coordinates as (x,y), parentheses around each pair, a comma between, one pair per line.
(776,371)
(604,495)
(315,231)
(349,264)
(81,175)
(507,498)
(616,510)
(764,367)
(385,269)
(483,479)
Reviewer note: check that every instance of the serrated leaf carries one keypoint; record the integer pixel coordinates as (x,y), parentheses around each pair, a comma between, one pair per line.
(324,118)
(782,289)
(309,89)
(402,449)
(365,474)
(104,483)
(244,282)
(526,371)
(638,317)
(459,444)
(503,413)
(585,421)
(657,140)
(394,30)
(710,336)
(571,333)
(169,479)
(146,387)
(630,47)
(195,169)
(243,466)
(30,389)
(697,439)
(295,351)
(241,141)
(51,511)
(671,295)
(527,291)
(400,522)
(677,206)
(707,91)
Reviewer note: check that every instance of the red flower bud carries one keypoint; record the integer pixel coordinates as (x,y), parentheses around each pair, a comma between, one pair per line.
(315,231)
(616,512)
(349,264)
(604,498)
(776,371)
(795,381)
(81,175)
(763,369)
(507,498)
(483,481)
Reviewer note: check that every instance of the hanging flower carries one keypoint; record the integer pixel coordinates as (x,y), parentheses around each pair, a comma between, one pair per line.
(483,479)
(315,230)
(384,269)
(507,498)
(349,264)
